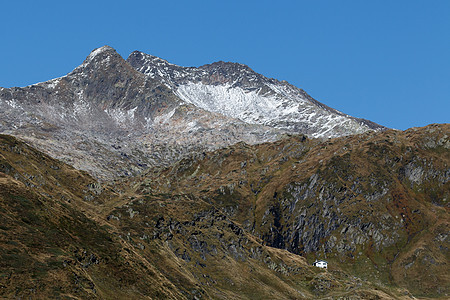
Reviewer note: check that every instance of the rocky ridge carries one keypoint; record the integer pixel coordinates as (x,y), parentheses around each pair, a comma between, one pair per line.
(106,118)
(235,90)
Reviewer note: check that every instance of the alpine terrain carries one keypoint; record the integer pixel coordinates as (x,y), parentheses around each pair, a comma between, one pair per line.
(141,179)
(237,91)
(107,118)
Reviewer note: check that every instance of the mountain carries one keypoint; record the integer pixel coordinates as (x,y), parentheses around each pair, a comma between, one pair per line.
(230,224)
(139,179)
(110,120)
(374,204)
(235,90)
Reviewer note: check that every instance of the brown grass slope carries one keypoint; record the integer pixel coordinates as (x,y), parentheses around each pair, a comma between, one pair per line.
(64,236)
(375,204)
(52,244)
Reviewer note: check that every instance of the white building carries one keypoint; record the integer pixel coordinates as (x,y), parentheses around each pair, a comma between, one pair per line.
(320,264)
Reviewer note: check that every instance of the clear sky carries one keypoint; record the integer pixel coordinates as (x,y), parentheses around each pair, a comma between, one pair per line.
(384,60)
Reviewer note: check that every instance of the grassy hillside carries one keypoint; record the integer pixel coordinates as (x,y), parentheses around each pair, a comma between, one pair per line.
(375,204)
(244,222)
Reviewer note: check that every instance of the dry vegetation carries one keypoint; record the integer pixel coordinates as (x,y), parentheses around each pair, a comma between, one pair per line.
(244,222)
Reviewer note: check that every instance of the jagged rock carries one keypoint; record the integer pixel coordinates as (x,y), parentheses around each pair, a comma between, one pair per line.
(111,120)
(237,91)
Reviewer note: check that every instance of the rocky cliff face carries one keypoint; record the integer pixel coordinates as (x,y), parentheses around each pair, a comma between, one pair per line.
(237,91)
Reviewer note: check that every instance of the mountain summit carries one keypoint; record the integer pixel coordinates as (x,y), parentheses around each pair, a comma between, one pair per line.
(235,90)
(113,117)
(111,120)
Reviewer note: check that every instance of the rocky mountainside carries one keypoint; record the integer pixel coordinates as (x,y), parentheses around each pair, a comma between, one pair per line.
(115,118)
(235,90)
(110,120)
(230,224)
(140,179)
(375,204)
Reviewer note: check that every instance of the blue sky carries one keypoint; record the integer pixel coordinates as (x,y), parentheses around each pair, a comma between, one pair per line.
(387,61)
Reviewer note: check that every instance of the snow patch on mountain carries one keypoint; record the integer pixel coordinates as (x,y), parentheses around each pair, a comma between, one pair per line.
(97,52)
(121,117)
(234,102)
(283,109)
(164,118)
(235,90)
(14,104)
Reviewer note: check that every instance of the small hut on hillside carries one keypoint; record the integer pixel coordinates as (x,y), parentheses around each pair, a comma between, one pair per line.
(320,264)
